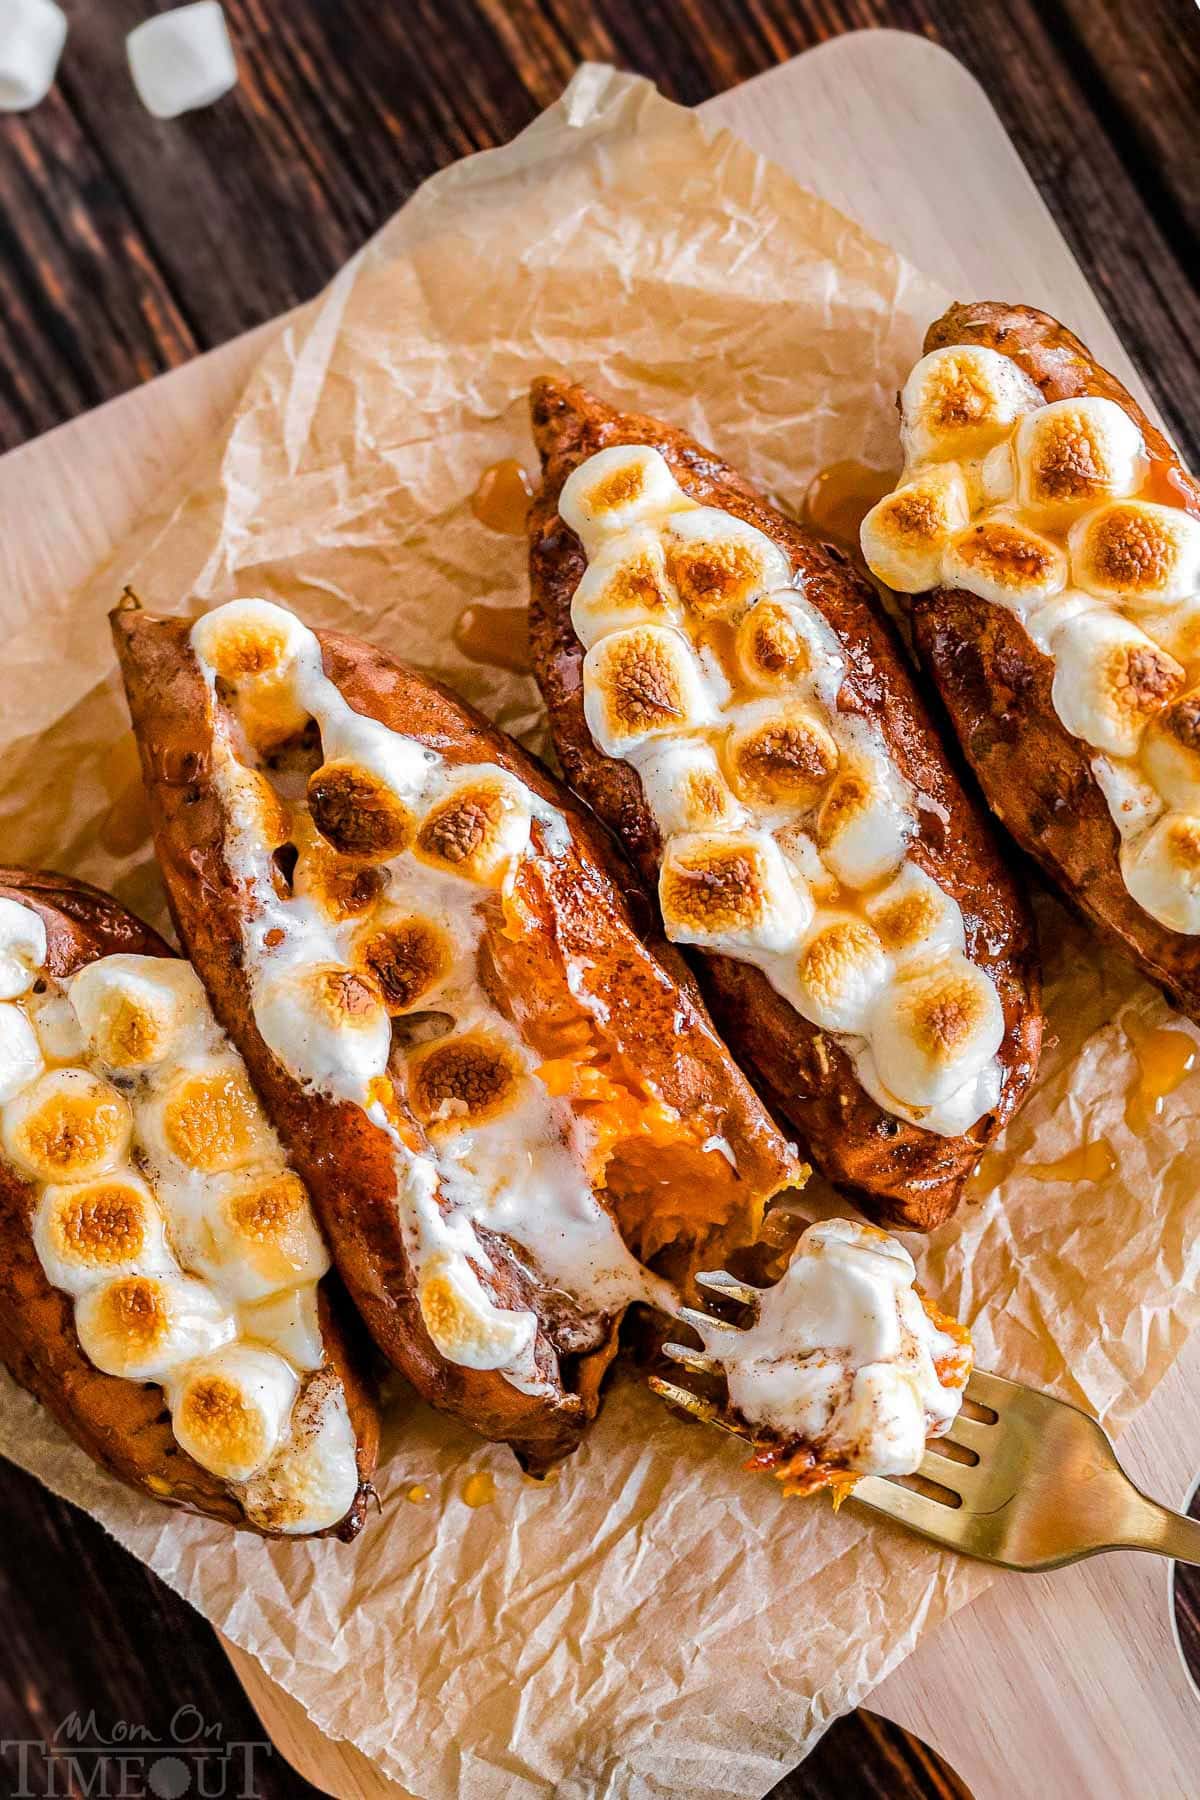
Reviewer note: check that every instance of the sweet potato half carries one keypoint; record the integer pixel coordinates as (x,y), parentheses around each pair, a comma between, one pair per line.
(613,1019)
(124,1424)
(898,1171)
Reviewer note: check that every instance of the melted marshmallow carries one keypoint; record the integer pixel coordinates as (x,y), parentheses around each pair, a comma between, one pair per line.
(165,1208)
(331,969)
(1104,581)
(843,1357)
(782,816)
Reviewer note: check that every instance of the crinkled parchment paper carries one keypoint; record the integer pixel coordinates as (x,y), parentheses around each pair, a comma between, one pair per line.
(654,1621)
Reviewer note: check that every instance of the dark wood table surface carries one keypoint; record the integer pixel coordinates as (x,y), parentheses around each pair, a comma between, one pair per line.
(128,245)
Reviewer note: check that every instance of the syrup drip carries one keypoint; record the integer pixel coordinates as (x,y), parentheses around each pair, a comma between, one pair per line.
(1164,1056)
(1087,1162)
(479,1489)
(417,1494)
(497,635)
(501,501)
(840,497)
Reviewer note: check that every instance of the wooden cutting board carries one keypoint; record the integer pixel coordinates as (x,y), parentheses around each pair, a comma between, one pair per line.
(1049,1687)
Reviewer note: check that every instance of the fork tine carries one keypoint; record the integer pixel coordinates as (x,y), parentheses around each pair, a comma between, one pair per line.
(971,1434)
(995,1391)
(929,1517)
(704,1410)
(691,1359)
(728,1286)
(702,1321)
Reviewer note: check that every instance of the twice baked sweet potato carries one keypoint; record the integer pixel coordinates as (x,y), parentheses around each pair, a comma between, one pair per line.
(1056,611)
(726,695)
(514,1115)
(160,1273)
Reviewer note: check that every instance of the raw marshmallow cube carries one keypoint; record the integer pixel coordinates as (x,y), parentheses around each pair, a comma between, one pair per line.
(181,60)
(32,34)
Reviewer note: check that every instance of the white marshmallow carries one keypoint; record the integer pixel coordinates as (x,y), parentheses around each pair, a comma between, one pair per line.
(841,970)
(465,1324)
(231,1409)
(338,1049)
(865,823)
(617,488)
(640,684)
(914,916)
(1162,872)
(182,60)
(626,583)
(1171,754)
(731,891)
(312,1479)
(22,948)
(134,1011)
(142,1327)
(1136,553)
(935,1028)
(1074,454)
(288,1323)
(32,35)
(20,1053)
(684,786)
(905,535)
(959,400)
(1110,680)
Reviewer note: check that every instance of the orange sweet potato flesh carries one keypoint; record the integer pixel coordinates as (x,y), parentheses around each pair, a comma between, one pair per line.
(897,1172)
(995,682)
(657,1048)
(124,1425)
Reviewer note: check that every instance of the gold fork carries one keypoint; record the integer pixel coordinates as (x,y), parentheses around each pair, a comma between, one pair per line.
(1023,1480)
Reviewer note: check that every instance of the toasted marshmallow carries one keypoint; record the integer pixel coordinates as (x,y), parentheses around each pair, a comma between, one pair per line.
(96,1230)
(841,971)
(865,823)
(1136,553)
(905,535)
(960,400)
(639,684)
(625,584)
(617,488)
(326,1024)
(230,1410)
(248,639)
(134,1010)
(20,1052)
(1002,560)
(1075,454)
(250,1234)
(357,812)
(207,1119)
(312,1480)
(466,1326)
(142,1326)
(252,646)
(67,1125)
(407,957)
(1171,753)
(934,1028)
(731,891)
(22,948)
(479,828)
(288,1323)
(685,788)
(340,887)
(462,1081)
(719,563)
(780,756)
(914,916)
(783,644)
(1162,872)
(1110,680)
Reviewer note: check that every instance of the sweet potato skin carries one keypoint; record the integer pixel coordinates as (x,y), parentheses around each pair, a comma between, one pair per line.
(346,1160)
(995,683)
(897,1172)
(123,1425)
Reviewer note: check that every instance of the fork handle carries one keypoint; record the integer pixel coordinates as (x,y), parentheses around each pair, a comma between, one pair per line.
(1155,1527)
